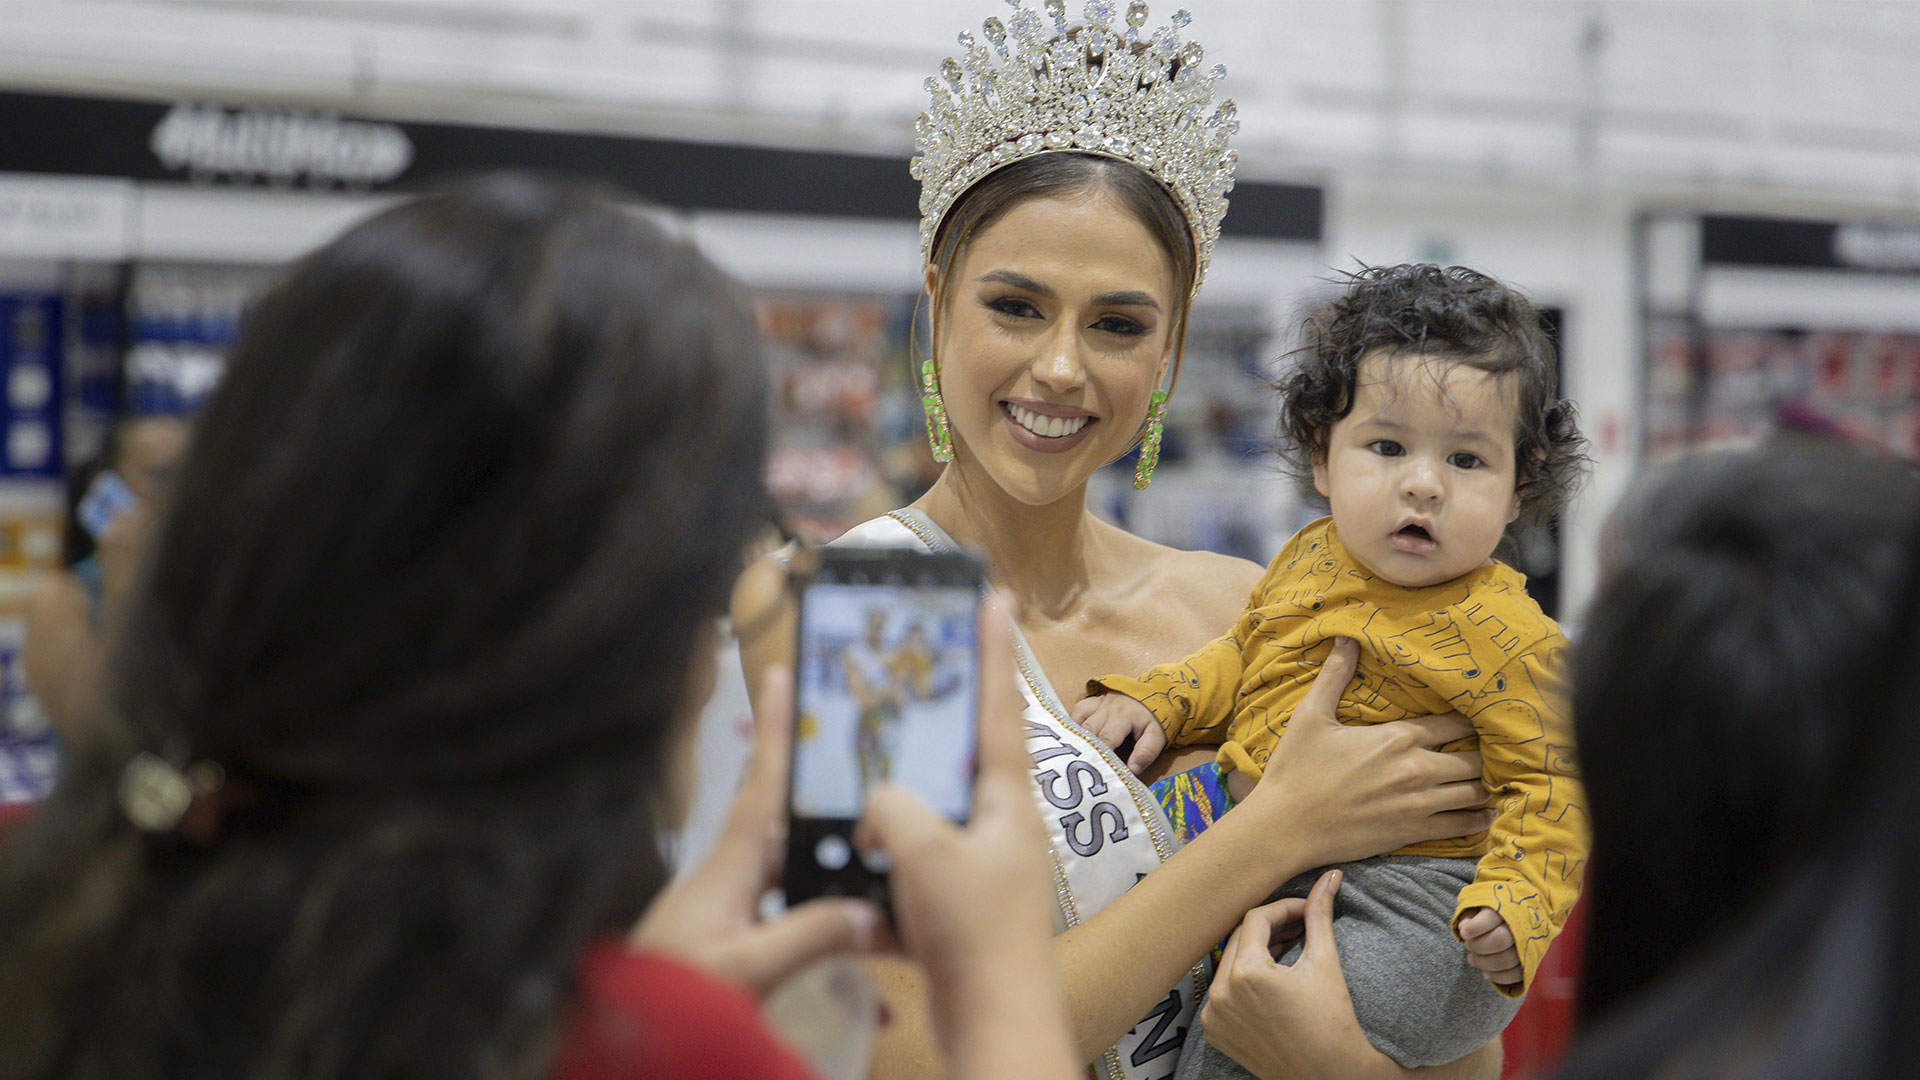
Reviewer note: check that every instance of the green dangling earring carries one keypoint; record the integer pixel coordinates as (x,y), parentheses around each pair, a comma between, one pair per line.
(1150,443)
(939,436)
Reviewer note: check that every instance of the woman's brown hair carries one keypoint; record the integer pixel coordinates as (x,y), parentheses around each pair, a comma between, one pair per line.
(428,589)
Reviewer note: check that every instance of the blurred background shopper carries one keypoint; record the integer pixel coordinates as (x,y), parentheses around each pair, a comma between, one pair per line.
(111,502)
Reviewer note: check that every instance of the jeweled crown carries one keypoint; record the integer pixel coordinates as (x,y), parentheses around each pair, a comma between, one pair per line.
(1096,89)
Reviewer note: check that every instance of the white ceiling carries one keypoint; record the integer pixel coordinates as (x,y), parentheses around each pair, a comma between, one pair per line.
(1799,97)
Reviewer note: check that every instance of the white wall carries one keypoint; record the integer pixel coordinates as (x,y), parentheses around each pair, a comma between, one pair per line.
(1813,95)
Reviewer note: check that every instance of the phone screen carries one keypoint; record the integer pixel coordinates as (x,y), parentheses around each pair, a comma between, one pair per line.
(106,498)
(886,692)
(884,688)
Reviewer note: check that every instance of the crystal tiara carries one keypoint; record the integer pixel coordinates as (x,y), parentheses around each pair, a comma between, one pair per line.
(1093,89)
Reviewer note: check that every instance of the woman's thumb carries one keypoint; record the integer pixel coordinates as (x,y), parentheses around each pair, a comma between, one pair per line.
(1322,700)
(1319,918)
(895,820)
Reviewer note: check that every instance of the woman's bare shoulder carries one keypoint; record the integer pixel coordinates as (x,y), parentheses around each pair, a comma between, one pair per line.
(1214,587)
(1217,583)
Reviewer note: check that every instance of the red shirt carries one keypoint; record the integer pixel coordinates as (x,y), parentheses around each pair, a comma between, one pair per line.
(644,1015)
(12,814)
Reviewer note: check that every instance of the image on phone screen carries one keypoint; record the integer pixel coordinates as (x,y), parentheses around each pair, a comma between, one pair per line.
(885,691)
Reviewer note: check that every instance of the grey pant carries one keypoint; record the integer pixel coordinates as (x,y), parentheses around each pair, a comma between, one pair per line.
(1417,998)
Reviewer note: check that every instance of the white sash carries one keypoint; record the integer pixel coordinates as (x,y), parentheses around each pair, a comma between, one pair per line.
(1107,829)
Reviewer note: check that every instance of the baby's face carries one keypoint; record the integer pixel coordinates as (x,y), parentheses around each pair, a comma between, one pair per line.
(1421,472)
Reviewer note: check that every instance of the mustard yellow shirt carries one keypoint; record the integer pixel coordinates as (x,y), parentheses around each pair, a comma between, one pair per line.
(1476,645)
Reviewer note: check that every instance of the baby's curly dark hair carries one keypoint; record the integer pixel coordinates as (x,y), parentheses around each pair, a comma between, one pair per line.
(1452,314)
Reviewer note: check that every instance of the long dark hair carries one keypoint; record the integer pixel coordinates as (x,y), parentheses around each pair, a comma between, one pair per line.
(428,589)
(1744,702)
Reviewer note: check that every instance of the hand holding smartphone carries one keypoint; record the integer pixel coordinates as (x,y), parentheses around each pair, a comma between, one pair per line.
(972,905)
(886,683)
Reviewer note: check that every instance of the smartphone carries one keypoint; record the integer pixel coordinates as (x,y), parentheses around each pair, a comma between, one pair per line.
(885,683)
(106,498)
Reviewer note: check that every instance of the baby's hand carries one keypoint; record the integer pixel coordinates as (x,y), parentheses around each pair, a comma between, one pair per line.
(1490,946)
(1115,718)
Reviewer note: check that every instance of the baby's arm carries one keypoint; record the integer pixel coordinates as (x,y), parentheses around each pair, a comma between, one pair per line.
(1531,877)
(1193,698)
(1178,704)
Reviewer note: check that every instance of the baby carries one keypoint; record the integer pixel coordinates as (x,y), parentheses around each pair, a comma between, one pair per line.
(1424,410)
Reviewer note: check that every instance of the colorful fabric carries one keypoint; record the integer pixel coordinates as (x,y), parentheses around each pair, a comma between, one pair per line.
(28,764)
(1193,799)
(29,750)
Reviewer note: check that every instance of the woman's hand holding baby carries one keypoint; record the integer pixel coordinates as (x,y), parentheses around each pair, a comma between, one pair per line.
(1115,718)
(1369,789)
(1253,993)
(1297,1020)
(1374,788)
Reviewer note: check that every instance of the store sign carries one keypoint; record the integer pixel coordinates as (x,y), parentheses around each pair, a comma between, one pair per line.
(75,135)
(1801,243)
(282,145)
(1877,247)
(79,219)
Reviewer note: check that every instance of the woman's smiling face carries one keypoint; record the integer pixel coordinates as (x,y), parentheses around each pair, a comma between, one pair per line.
(1054,334)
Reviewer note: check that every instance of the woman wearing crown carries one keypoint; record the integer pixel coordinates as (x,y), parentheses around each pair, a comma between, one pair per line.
(1073,182)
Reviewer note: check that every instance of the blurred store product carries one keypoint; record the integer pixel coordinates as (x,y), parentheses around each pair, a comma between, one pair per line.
(1785,324)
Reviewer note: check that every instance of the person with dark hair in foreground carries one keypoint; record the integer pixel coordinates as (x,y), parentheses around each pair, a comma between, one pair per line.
(405,699)
(1743,698)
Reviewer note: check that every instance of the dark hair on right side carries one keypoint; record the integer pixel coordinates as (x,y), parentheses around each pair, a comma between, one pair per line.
(428,588)
(1455,315)
(1743,697)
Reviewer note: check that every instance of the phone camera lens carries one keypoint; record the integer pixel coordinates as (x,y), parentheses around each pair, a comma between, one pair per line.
(832,852)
